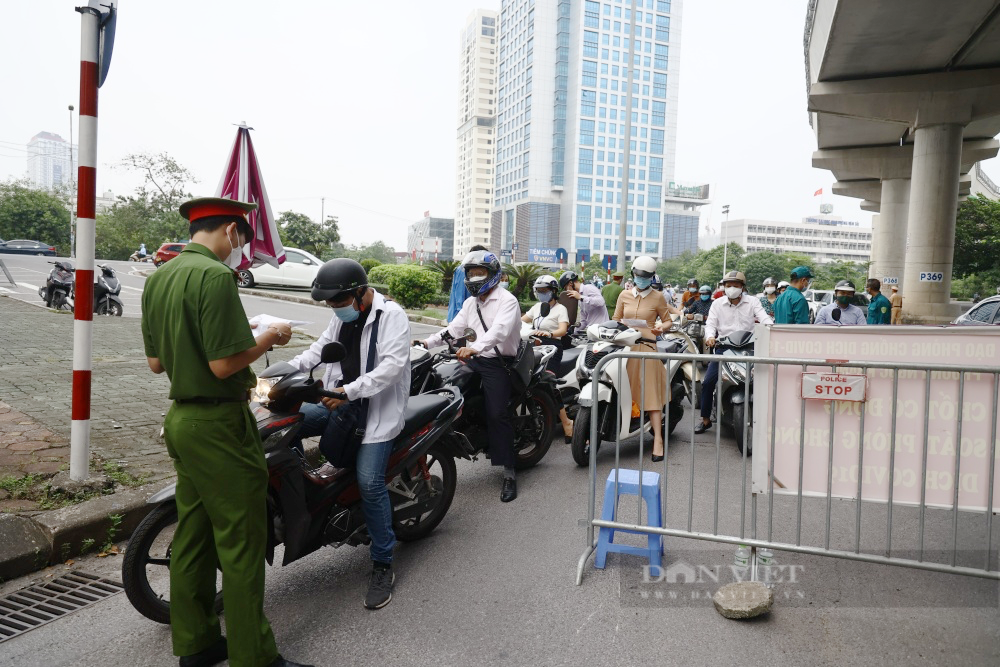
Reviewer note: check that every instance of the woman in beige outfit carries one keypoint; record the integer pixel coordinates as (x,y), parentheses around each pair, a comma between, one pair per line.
(648,305)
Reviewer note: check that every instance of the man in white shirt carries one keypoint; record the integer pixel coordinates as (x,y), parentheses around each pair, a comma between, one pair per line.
(737,311)
(495,315)
(343,284)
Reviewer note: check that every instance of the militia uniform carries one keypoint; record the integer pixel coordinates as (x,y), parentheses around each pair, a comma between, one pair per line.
(879,310)
(191,315)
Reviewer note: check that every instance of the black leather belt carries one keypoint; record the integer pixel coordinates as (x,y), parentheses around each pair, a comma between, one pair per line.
(204,400)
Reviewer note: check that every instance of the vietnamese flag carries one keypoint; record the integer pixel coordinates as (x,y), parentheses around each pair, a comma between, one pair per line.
(818,192)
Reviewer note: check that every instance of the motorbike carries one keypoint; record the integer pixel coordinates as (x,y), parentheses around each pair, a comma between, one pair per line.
(106,291)
(677,340)
(136,257)
(534,411)
(309,508)
(695,329)
(614,393)
(735,407)
(59,287)
(569,386)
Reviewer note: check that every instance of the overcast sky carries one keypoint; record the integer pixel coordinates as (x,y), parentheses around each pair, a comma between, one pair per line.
(360,106)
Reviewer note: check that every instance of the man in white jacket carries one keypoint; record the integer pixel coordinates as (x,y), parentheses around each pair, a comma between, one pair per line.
(343,285)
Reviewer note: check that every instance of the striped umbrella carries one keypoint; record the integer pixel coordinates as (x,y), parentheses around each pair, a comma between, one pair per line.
(242,181)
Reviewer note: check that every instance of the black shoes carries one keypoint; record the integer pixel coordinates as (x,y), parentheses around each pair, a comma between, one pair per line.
(509,491)
(702,427)
(212,655)
(657,458)
(281,662)
(380,587)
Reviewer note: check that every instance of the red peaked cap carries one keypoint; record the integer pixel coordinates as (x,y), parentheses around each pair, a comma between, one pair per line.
(204,207)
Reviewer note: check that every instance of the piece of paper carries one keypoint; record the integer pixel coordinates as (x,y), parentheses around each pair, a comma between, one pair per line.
(264,321)
(635,324)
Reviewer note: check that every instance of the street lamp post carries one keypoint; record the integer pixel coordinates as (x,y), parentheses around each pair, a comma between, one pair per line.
(725,236)
(72,189)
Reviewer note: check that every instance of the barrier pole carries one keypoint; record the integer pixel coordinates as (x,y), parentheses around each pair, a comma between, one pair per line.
(79,462)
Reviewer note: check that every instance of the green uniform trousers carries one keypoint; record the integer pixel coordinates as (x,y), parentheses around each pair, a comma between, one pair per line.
(221,521)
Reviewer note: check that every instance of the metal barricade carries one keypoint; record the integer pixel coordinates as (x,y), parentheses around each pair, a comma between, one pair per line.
(793,500)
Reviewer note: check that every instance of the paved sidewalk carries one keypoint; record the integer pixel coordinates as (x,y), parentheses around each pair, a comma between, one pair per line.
(36,359)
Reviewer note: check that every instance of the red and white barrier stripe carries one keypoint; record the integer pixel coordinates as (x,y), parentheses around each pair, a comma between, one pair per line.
(79,463)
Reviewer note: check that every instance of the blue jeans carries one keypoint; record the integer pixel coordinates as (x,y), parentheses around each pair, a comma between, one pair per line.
(373,458)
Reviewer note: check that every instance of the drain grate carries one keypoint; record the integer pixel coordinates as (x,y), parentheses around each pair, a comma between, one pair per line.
(36,605)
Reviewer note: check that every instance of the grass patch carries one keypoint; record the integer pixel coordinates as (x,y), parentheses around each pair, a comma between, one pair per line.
(116,472)
(21,488)
(430,312)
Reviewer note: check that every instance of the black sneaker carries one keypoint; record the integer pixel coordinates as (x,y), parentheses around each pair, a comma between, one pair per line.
(380,587)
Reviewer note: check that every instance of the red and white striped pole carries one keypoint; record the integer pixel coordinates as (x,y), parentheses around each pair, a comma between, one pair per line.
(79,462)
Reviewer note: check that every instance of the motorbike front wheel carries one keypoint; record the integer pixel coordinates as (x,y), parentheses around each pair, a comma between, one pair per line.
(109,308)
(147,560)
(580,442)
(739,418)
(534,420)
(431,483)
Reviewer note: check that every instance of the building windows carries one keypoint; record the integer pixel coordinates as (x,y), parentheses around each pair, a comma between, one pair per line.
(660,61)
(656,143)
(590,40)
(582,242)
(589,73)
(586,161)
(659,85)
(588,103)
(662,28)
(584,191)
(587,132)
(591,17)
(655,192)
(659,114)
(583,218)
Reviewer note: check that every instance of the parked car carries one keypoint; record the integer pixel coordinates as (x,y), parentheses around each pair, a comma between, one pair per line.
(298,270)
(986,311)
(166,252)
(25,247)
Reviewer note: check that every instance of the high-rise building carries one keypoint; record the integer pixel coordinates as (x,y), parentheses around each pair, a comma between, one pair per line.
(49,162)
(476,139)
(824,238)
(561,122)
(431,238)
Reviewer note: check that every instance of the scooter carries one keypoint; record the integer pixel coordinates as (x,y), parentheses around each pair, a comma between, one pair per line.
(735,407)
(310,508)
(534,411)
(136,257)
(59,287)
(569,386)
(614,393)
(106,291)
(677,340)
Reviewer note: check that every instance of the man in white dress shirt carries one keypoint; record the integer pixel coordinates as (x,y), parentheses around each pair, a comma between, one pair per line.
(736,311)
(495,315)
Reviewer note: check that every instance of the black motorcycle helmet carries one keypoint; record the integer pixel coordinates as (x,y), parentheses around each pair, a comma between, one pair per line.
(338,276)
(567,278)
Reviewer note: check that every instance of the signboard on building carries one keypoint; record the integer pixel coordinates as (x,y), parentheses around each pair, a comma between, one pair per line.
(543,256)
(925,426)
(687,191)
(890,280)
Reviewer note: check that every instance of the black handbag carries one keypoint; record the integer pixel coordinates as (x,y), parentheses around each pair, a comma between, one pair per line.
(345,430)
(518,367)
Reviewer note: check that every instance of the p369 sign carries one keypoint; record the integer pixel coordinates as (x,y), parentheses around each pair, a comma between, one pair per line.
(834,387)
(931,277)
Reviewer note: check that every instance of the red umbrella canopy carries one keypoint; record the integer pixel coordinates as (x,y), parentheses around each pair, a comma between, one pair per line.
(242,181)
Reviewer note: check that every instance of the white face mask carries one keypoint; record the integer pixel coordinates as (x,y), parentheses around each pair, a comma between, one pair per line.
(692,289)
(768,290)
(734,292)
(235,255)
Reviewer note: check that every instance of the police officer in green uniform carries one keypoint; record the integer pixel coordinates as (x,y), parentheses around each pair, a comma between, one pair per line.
(880,309)
(791,307)
(194,328)
(611,291)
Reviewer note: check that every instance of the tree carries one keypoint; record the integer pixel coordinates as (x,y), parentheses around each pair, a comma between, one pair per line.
(828,275)
(299,231)
(378,251)
(977,237)
(27,213)
(520,275)
(446,267)
(149,215)
(764,264)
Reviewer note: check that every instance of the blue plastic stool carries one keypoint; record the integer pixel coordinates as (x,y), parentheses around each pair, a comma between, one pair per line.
(628,484)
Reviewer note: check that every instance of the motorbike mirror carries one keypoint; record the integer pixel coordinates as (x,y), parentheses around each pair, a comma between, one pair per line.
(469,335)
(836,314)
(545,309)
(332,353)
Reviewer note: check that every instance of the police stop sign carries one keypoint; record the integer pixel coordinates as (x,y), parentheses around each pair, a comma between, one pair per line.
(834,386)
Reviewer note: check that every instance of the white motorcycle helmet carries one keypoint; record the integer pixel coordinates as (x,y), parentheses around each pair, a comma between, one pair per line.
(546,282)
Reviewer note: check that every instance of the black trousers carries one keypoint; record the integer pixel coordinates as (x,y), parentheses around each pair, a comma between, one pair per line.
(496,393)
(708,387)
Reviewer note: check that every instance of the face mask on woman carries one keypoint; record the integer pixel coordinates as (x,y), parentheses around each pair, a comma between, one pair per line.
(544,297)
(769,290)
(706,297)
(734,292)
(642,283)
(692,289)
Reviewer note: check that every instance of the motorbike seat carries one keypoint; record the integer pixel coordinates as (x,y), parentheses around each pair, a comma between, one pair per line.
(421,409)
(671,345)
(569,358)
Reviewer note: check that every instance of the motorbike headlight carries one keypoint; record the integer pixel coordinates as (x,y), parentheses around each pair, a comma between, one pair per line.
(583,374)
(737,370)
(263,388)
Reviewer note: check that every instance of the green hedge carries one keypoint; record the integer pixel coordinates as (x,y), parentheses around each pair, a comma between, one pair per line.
(411,286)
(370,264)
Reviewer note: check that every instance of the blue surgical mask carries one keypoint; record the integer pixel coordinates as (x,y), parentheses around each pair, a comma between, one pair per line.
(347,313)
(504,284)
(642,283)
(706,297)
(544,297)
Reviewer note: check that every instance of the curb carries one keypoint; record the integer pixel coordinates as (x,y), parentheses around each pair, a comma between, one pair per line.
(30,544)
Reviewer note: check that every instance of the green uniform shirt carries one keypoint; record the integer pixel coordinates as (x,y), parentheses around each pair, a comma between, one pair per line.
(791,308)
(191,314)
(880,310)
(610,293)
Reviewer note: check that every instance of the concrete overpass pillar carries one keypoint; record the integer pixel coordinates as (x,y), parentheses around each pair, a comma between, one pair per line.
(933,205)
(889,238)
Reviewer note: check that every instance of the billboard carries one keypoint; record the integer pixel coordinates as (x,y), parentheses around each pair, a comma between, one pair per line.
(930,415)
(548,256)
